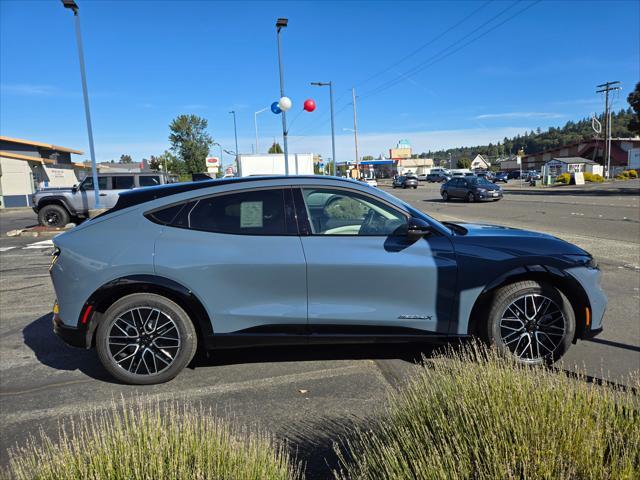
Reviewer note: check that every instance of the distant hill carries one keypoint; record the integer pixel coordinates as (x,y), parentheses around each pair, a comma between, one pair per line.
(533,142)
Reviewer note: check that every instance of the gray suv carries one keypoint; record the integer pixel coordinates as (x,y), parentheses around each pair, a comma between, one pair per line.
(55,207)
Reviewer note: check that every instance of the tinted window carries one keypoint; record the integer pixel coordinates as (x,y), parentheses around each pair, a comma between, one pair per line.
(88,183)
(122,182)
(149,180)
(166,215)
(341,212)
(260,212)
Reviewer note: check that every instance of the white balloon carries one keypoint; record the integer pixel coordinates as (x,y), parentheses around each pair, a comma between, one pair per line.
(285,104)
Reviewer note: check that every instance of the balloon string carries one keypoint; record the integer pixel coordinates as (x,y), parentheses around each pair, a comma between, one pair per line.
(293,121)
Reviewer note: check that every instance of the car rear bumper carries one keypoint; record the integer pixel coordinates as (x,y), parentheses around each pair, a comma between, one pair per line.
(76,337)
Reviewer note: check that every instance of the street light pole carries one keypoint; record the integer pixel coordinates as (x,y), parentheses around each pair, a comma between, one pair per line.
(355,129)
(255,123)
(280,24)
(235,132)
(333,132)
(71,4)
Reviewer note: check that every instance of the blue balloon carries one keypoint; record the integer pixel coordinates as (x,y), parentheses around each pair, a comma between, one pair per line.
(275,108)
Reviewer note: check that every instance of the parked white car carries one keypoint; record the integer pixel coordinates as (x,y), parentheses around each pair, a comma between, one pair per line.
(372,182)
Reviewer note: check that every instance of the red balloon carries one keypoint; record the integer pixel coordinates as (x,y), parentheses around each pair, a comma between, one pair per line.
(309,105)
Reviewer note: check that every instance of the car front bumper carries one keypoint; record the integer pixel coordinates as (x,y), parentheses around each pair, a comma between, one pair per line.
(488,196)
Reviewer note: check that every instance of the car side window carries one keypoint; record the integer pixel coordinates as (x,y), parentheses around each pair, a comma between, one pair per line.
(343,212)
(124,182)
(149,180)
(257,212)
(103,183)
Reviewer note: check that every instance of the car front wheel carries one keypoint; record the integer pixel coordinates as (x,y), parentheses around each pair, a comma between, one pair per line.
(470,197)
(144,339)
(530,321)
(445,196)
(53,216)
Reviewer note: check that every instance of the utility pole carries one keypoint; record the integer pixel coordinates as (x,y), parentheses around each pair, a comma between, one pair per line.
(333,131)
(355,129)
(606,88)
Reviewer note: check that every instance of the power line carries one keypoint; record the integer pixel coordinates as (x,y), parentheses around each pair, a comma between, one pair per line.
(442,55)
(425,45)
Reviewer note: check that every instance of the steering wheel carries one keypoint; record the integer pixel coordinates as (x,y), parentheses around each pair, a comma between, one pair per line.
(371,222)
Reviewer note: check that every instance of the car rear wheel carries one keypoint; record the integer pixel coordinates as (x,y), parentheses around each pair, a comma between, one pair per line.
(445,196)
(144,339)
(530,321)
(53,216)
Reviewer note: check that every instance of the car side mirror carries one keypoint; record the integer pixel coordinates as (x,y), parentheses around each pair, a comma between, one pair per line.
(417,229)
(74,189)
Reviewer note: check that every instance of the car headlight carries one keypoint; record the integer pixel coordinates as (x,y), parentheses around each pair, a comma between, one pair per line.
(583,260)
(481,190)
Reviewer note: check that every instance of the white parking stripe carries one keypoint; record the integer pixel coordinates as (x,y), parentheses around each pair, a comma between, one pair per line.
(42,244)
(6,249)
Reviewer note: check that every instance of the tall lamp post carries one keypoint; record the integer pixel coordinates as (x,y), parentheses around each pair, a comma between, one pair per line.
(280,24)
(333,133)
(255,124)
(214,144)
(235,132)
(73,6)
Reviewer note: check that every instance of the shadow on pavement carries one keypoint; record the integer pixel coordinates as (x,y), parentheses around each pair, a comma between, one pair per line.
(411,353)
(53,352)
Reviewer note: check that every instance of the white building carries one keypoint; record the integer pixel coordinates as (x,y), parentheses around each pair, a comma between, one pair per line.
(26,165)
(480,163)
(557,166)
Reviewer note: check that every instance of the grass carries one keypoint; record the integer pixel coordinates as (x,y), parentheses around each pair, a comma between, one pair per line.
(149,441)
(476,415)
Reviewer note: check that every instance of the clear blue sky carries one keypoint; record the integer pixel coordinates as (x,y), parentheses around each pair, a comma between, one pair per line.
(150,61)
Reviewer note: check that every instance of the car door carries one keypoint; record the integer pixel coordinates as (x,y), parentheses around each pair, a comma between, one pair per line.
(240,253)
(363,275)
(120,183)
(87,196)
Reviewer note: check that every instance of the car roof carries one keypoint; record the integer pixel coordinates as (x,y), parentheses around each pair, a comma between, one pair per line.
(148,194)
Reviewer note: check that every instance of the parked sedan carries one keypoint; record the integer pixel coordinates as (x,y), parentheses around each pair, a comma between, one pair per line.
(501,177)
(472,189)
(405,181)
(283,260)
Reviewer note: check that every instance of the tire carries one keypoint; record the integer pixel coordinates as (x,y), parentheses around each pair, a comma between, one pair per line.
(470,197)
(549,332)
(175,346)
(53,216)
(445,196)
(415,187)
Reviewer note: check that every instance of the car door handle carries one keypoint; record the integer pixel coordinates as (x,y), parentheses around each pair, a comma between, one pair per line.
(103,194)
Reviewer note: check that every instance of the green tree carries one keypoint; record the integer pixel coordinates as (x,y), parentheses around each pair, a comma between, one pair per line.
(275,148)
(125,159)
(190,141)
(367,157)
(168,161)
(634,101)
(464,162)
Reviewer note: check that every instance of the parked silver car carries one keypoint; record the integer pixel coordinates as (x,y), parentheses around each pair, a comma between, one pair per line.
(55,207)
(307,260)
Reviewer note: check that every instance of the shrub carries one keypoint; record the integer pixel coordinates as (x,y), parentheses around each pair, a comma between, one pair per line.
(149,441)
(476,415)
(593,177)
(632,173)
(563,178)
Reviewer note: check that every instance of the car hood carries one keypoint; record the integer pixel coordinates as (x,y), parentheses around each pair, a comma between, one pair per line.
(53,190)
(489,186)
(514,239)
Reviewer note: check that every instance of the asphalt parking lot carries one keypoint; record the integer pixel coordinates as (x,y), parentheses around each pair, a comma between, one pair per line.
(302,394)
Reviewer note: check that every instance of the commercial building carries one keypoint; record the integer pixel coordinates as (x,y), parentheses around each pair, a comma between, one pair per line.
(26,165)
(557,166)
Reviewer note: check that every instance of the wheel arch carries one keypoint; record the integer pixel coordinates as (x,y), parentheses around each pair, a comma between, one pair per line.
(56,200)
(568,285)
(107,294)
